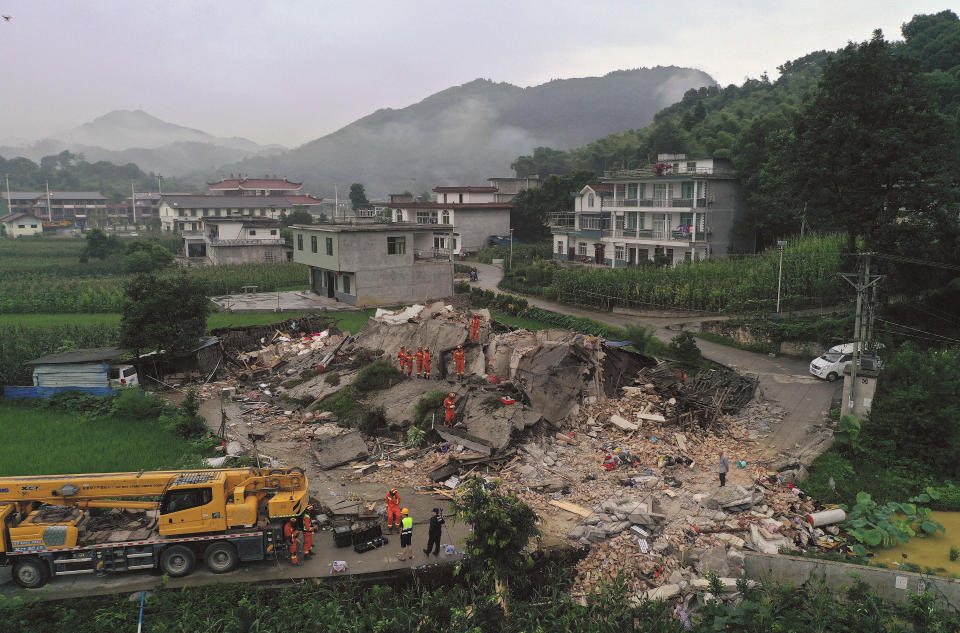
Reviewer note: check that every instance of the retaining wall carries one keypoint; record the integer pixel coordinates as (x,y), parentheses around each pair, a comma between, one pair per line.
(890,584)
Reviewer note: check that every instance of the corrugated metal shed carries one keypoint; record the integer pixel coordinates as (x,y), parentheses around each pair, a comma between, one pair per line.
(71,375)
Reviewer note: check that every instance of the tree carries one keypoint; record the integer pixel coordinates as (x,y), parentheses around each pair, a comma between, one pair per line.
(143,256)
(683,348)
(100,245)
(358,198)
(869,145)
(297,216)
(531,206)
(497,547)
(167,313)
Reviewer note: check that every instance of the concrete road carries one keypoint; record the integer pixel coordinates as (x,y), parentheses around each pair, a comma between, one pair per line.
(381,562)
(786,381)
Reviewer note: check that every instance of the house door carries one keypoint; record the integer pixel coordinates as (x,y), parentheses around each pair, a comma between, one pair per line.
(571,253)
(598,253)
(631,256)
(331,284)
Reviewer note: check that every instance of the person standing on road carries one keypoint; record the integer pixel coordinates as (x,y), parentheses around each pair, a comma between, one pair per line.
(406,536)
(723,467)
(309,527)
(436,529)
(393,509)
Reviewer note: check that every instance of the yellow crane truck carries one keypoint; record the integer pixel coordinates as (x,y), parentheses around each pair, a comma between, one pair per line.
(61,525)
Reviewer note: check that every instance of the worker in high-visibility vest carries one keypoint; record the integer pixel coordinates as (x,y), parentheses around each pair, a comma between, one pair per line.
(393,509)
(290,534)
(426,362)
(459,357)
(406,536)
(309,527)
(450,409)
(418,356)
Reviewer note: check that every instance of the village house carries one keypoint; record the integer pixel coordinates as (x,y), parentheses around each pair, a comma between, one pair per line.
(236,241)
(79,209)
(180,213)
(474,213)
(365,264)
(677,210)
(21,224)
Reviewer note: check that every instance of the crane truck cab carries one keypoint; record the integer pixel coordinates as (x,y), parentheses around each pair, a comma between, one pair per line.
(52,526)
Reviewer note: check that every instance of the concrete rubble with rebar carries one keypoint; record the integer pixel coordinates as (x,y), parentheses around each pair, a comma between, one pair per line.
(658,521)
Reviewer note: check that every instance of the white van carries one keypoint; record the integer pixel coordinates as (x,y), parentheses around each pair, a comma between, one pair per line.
(831,364)
(123,375)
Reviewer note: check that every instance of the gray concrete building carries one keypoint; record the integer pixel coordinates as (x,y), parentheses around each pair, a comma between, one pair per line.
(236,241)
(366,264)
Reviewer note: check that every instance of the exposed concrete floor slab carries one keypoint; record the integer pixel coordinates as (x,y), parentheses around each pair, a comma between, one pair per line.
(283,301)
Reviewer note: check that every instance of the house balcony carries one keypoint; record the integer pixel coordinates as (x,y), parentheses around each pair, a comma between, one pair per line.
(674,235)
(273,241)
(655,203)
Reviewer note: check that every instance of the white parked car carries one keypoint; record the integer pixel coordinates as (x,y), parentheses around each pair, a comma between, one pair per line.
(831,364)
(123,375)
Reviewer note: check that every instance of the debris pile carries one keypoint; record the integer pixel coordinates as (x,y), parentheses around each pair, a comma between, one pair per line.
(704,397)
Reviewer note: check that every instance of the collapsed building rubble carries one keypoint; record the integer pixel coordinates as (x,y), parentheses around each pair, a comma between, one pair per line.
(542,411)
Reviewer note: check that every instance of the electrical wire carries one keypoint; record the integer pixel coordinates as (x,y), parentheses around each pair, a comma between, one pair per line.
(934,334)
(920,262)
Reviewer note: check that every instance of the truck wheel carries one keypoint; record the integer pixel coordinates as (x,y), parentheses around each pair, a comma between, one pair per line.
(832,376)
(177,561)
(221,558)
(30,572)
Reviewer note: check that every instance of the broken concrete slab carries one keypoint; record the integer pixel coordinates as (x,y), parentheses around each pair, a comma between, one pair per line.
(338,450)
(663,592)
(715,560)
(622,423)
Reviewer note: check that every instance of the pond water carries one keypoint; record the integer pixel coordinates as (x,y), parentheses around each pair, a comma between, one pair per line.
(930,551)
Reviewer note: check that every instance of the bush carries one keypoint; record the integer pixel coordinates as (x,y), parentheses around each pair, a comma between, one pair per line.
(430,403)
(684,349)
(134,404)
(332,378)
(373,420)
(174,419)
(381,374)
(82,402)
(342,404)
(461,287)
(949,499)
(640,337)
(416,436)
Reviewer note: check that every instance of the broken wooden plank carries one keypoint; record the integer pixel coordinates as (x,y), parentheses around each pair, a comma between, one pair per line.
(681,441)
(651,417)
(572,508)
(622,423)
(456,436)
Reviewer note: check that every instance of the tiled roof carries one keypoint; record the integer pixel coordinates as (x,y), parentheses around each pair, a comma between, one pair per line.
(254,183)
(303,200)
(227,202)
(465,190)
(56,195)
(601,187)
(10,217)
(450,205)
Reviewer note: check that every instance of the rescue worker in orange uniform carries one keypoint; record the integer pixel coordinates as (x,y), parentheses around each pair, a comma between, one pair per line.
(393,509)
(450,409)
(475,328)
(426,362)
(402,357)
(419,358)
(309,527)
(290,534)
(409,360)
(459,357)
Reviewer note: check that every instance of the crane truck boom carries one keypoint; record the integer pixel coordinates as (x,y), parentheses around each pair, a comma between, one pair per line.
(48,524)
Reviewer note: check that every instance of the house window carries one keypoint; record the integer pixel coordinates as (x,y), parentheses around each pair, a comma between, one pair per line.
(643,190)
(445,218)
(439,242)
(21,226)
(268,256)
(632,190)
(399,215)
(346,284)
(396,246)
(581,248)
(686,190)
(619,252)
(313,243)
(329,245)
(299,241)
(273,231)
(253,232)
(692,167)
(559,247)
(590,200)
(632,220)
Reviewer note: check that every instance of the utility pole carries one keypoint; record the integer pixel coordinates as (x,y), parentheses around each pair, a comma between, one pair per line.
(780,245)
(49,212)
(160,184)
(511,250)
(9,208)
(133,204)
(862,281)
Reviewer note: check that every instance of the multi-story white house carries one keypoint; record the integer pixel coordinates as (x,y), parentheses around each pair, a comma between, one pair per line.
(677,210)
(474,212)
(180,213)
(236,241)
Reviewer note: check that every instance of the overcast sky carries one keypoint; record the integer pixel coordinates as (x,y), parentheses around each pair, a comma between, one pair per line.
(289,71)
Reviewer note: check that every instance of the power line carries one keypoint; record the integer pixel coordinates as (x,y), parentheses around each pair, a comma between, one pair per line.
(946,338)
(920,262)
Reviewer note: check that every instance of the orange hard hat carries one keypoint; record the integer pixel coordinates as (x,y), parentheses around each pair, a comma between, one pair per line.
(452,394)
(460,346)
(404,511)
(393,491)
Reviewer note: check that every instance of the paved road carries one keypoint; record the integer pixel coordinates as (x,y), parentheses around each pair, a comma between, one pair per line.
(786,381)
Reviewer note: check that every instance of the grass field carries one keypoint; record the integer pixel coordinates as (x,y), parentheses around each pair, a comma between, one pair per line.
(43,441)
(527,324)
(348,320)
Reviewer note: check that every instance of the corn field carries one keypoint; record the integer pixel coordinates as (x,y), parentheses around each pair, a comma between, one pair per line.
(730,284)
(22,342)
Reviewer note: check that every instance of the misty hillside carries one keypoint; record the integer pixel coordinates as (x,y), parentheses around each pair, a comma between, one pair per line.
(465,134)
(124,136)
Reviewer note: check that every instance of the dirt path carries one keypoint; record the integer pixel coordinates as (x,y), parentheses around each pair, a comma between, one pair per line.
(785,381)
